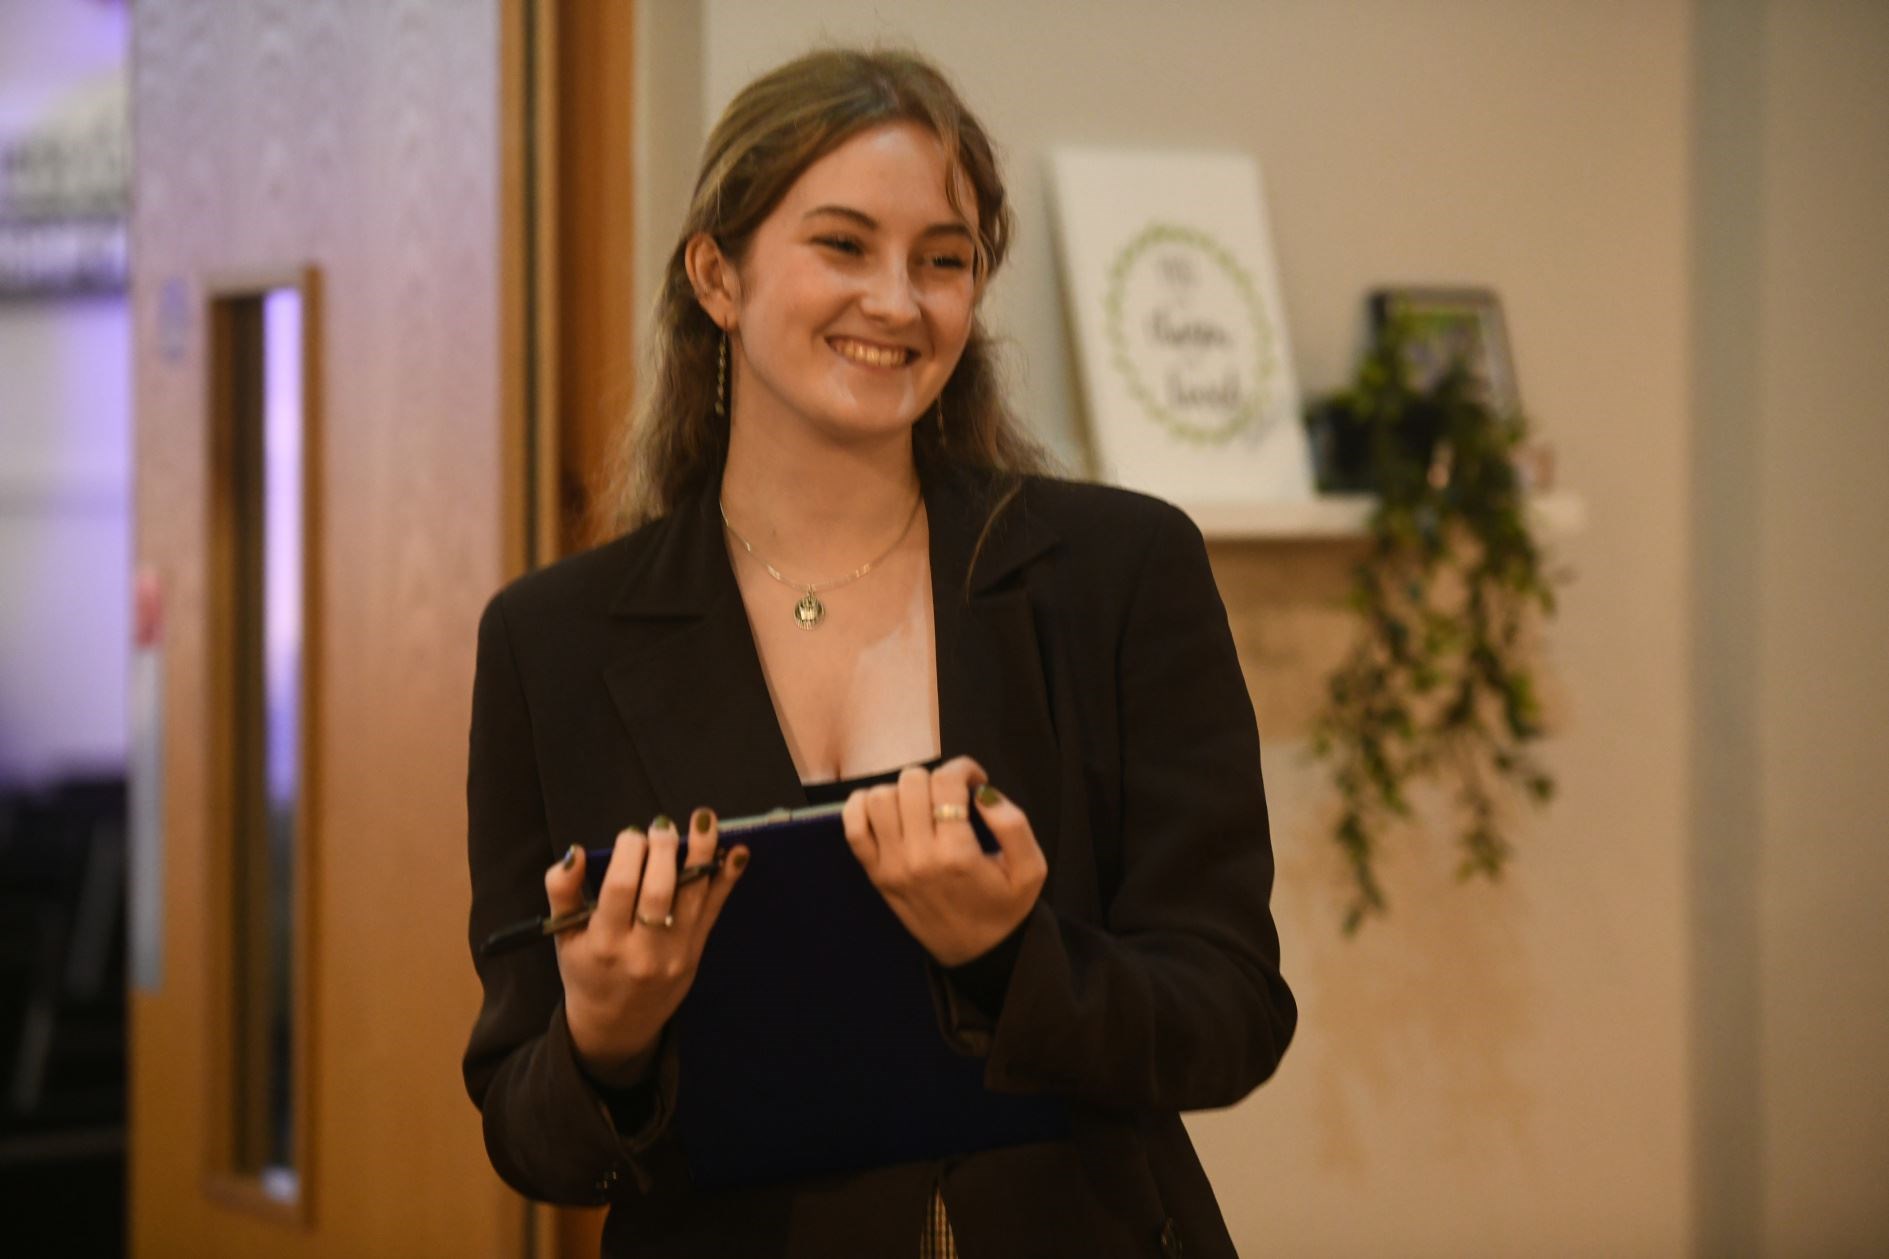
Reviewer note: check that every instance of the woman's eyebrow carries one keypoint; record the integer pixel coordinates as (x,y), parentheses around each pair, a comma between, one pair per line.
(866,221)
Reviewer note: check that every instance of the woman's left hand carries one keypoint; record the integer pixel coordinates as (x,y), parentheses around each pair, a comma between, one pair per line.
(914,840)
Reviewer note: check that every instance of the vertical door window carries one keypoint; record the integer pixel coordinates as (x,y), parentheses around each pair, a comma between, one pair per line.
(260,566)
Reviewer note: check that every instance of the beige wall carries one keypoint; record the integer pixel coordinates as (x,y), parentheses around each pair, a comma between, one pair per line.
(1823,626)
(1514,1070)
(1792,999)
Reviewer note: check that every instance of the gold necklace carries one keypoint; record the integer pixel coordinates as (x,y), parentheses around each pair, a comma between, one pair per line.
(809,611)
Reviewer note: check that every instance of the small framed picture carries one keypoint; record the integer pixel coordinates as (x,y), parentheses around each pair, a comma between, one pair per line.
(1179,327)
(1451,324)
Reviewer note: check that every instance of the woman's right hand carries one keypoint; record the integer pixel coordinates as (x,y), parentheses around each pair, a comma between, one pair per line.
(625,971)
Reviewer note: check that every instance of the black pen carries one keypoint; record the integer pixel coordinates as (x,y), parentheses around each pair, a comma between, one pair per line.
(519,934)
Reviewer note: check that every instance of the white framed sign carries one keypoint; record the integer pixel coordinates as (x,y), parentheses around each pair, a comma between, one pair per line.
(1186,371)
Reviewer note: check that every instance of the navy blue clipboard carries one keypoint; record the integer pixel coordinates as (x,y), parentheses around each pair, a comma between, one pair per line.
(810,1044)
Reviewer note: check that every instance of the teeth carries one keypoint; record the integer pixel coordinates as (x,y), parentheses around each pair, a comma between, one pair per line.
(871,355)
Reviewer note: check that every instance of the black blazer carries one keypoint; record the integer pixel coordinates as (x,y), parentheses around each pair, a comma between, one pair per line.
(1087,664)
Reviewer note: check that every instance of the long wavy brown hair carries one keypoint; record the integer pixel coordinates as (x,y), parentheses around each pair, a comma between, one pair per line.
(779,125)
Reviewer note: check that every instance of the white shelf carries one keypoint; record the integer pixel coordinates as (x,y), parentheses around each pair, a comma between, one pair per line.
(1335,516)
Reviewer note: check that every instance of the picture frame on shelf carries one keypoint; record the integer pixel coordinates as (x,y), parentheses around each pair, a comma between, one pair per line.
(1445,324)
(1178,326)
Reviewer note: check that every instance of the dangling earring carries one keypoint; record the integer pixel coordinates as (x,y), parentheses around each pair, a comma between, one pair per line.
(941,428)
(721,377)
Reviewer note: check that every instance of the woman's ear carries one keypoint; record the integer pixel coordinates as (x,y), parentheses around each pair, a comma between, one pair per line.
(717,285)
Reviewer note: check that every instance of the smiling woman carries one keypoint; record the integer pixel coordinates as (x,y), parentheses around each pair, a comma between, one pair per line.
(849,307)
(967,1012)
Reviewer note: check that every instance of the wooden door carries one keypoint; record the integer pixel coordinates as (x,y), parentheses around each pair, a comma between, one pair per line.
(372,157)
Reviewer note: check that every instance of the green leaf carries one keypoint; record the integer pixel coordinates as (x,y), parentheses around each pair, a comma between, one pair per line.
(1438,685)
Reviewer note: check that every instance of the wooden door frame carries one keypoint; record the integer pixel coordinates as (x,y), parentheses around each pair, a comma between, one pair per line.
(579,250)
(578,263)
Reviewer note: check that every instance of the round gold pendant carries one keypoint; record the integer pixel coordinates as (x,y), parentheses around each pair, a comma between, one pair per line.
(809,612)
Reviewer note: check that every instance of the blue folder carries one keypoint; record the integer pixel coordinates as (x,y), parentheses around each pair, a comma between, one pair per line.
(809,1043)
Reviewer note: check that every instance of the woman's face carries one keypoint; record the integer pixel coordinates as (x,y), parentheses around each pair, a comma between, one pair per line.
(854,299)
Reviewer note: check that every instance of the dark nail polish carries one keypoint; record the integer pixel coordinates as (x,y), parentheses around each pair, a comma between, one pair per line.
(989,796)
(738,860)
(704,818)
(570,857)
(661,822)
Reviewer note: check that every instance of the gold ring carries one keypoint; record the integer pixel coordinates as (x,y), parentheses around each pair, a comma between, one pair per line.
(661,924)
(950,813)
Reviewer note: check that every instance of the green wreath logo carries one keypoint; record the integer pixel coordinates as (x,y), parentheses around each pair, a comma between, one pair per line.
(1247,413)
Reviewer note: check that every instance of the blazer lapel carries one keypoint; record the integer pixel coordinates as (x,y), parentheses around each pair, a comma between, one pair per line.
(687,680)
(993,701)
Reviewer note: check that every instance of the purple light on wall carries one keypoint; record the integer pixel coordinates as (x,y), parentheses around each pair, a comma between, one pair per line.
(282,544)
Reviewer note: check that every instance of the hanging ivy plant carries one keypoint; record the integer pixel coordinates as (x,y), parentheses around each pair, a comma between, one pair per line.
(1439,684)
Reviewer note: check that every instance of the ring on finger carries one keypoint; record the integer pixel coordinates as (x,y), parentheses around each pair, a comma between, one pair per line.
(661,924)
(950,813)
